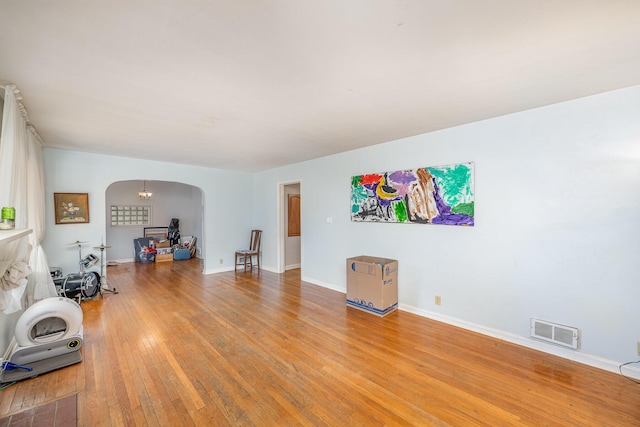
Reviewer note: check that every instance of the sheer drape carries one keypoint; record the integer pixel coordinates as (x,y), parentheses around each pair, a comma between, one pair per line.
(36,214)
(22,186)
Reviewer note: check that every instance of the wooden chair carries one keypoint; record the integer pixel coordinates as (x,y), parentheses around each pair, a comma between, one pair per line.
(245,256)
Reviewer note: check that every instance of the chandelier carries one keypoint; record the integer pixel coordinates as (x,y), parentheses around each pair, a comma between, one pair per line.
(144,194)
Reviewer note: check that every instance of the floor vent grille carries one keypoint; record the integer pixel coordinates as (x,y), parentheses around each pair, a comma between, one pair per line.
(565,336)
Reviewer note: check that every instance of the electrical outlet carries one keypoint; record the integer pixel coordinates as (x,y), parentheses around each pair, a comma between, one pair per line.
(438,300)
(638,348)
(221,261)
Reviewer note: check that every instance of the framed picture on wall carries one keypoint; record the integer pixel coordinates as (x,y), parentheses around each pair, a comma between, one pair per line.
(71,208)
(156,233)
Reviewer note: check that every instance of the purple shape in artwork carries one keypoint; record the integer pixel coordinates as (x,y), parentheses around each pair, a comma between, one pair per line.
(401,180)
(453,219)
(445,216)
(443,208)
(402,177)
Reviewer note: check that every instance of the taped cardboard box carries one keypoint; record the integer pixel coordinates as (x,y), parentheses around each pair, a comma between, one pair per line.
(372,284)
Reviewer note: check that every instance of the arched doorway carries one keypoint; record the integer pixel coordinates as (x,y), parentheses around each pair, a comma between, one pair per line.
(169,200)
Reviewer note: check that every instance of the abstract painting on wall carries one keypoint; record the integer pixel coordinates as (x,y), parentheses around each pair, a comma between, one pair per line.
(431,195)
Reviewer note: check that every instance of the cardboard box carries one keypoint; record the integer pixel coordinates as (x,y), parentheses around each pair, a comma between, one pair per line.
(164,257)
(163,244)
(372,284)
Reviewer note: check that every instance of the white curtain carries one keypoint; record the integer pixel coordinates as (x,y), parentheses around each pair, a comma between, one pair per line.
(36,214)
(22,187)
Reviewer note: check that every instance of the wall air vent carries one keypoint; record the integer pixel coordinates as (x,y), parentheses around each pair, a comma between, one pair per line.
(565,336)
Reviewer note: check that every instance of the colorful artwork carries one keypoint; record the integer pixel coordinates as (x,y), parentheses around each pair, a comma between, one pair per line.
(432,195)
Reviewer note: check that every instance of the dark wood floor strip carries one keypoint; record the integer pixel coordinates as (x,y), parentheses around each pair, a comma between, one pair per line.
(61,413)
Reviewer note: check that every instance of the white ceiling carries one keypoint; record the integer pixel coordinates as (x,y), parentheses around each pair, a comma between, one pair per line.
(255,84)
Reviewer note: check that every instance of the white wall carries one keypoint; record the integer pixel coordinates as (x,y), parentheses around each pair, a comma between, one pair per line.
(227,210)
(556,237)
(169,200)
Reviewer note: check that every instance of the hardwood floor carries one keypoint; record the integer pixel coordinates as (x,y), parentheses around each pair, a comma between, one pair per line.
(176,347)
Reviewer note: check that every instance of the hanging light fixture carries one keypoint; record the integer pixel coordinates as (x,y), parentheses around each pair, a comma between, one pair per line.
(144,194)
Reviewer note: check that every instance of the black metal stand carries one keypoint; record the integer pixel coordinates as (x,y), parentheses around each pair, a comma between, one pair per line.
(103,271)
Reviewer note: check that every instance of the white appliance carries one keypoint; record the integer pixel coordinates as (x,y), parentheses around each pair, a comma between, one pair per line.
(48,336)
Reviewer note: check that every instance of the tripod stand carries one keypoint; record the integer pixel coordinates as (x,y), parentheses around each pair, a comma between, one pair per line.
(103,271)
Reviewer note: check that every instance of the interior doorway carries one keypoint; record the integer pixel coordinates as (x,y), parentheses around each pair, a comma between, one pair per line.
(290,231)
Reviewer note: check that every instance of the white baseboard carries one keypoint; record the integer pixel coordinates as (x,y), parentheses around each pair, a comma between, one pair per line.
(576,356)
(324,285)
(217,270)
(291,267)
(123,261)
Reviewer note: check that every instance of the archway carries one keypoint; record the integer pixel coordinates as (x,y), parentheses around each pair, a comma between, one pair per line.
(169,200)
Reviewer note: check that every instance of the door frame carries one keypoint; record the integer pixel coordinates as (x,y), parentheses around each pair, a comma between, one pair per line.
(282,226)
